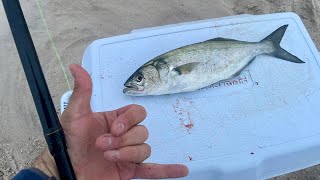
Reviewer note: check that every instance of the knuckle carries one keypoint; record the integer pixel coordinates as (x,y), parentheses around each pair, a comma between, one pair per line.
(110,115)
(112,155)
(87,88)
(76,88)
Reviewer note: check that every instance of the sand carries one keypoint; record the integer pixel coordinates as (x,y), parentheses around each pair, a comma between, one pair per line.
(73,25)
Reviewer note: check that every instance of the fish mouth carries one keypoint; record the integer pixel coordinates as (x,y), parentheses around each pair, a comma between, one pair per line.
(132,89)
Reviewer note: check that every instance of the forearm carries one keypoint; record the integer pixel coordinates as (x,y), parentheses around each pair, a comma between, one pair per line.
(47,165)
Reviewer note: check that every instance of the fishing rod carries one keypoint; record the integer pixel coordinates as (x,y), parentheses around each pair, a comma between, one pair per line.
(51,126)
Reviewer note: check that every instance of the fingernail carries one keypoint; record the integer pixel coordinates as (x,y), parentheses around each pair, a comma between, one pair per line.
(120,128)
(112,155)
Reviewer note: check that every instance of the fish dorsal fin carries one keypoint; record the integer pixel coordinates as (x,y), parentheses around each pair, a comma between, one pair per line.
(221,39)
(186,68)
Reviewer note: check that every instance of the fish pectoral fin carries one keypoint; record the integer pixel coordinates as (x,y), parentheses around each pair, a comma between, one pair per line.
(186,68)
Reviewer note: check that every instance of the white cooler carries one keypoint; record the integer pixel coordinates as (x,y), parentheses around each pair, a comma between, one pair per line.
(261,124)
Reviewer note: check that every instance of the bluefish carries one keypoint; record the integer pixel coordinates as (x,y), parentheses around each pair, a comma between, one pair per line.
(201,64)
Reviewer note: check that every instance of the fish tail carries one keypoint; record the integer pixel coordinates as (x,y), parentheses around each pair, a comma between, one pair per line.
(278,52)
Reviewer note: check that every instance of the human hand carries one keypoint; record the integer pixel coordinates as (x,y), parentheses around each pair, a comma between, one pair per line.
(108,145)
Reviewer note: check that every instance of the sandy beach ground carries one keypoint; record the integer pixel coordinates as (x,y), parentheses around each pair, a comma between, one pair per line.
(73,25)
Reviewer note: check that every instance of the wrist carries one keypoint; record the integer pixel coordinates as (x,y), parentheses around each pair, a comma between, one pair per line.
(47,165)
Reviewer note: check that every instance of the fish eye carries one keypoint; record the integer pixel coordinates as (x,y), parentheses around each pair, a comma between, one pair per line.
(139,78)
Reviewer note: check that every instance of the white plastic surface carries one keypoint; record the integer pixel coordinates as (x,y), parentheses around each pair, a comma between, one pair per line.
(64,101)
(264,123)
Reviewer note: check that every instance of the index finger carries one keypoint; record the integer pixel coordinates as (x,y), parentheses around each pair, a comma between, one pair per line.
(129,118)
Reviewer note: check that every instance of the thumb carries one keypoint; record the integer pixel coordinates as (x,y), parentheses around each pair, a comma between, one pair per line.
(79,103)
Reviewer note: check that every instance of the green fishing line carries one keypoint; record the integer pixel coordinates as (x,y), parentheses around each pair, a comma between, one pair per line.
(53,45)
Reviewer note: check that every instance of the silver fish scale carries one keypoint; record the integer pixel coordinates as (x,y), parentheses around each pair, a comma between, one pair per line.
(218,60)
